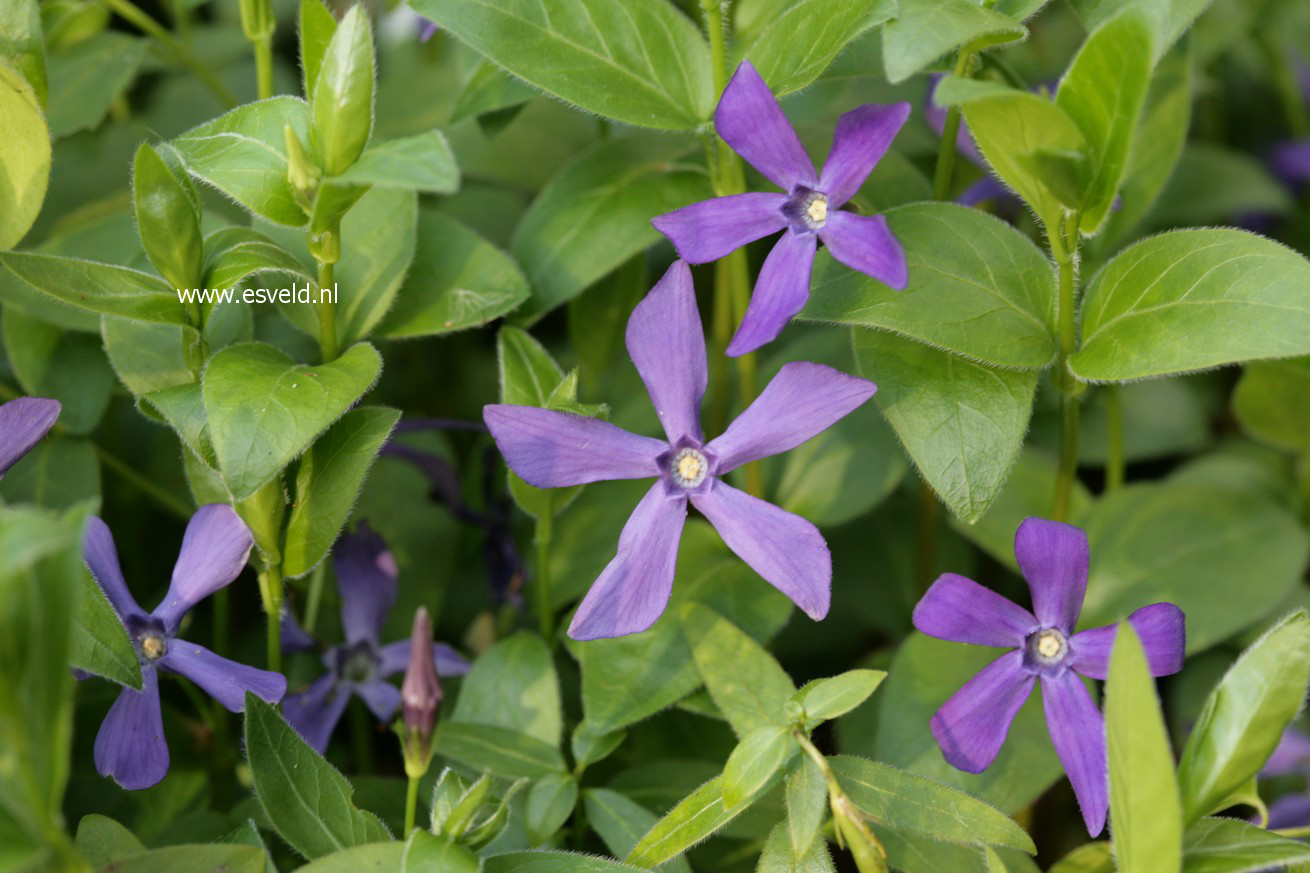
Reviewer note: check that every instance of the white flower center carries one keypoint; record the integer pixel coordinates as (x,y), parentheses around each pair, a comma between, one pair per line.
(817,211)
(1048,647)
(688,468)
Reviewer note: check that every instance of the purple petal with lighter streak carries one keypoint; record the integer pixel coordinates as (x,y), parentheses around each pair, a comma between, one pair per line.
(667,343)
(862,137)
(634,588)
(24,421)
(1078,732)
(224,680)
(101,559)
(130,747)
(781,291)
(551,449)
(1161,628)
(314,712)
(971,727)
(785,549)
(367,579)
(393,658)
(711,229)
(1054,558)
(962,611)
(749,119)
(799,403)
(865,243)
(214,551)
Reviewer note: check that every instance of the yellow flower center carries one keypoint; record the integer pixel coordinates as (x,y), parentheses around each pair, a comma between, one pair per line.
(1049,644)
(154,646)
(818,210)
(689,467)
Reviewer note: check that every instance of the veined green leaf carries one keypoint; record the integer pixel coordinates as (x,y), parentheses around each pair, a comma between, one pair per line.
(745,681)
(924,30)
(513,685)
(1225,845)
(24,154)
(797,46)
(101,288)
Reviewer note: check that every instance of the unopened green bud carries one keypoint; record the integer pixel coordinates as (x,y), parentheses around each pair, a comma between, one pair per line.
(302,173)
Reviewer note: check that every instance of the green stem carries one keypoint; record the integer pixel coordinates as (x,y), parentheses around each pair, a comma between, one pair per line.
(411,804)
(142,484)
(264,66)
(1114,415)
(315,599)
(327,313)
(1066,255)
(545,609)
(945,170)
(872,855)
(270,590)
(129,12)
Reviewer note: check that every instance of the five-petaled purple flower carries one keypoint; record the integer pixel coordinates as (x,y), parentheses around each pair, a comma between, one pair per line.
(366,577)
(552,449)
(130,747)
(972,725)
(23,422)
(749,119)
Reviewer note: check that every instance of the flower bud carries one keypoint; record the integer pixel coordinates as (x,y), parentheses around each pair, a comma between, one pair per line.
(420,694)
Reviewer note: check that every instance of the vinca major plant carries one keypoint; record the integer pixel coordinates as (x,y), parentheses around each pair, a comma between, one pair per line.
(697,436)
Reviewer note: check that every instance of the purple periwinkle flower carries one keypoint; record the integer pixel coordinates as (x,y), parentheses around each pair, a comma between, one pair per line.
(130,746)
(972,725)
(749,119)
(553,449)
(366,577)
(24,421)
(1291,758)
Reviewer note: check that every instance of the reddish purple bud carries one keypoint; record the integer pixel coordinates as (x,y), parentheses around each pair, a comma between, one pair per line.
(421,690)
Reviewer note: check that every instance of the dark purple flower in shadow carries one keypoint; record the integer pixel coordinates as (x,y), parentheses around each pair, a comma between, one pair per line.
(1291,758)
(553,449)
(130,746)
(23,423)
(366,577)
(749,119)
(972,725)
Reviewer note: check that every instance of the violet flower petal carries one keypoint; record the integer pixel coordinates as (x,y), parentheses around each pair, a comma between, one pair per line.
(366,577)
(1053,557)
(986,188)
(130,747)
(862,137)
(393,658)
(749,119)
(214,551)
(551,449)
(865,243)
(101,559)
(781,291)
(222,679)
(294,638)
(971,727)
(1290,811)
(314,712)
(1161,628)
(962,611)
(383,698)
(785,549)
(635,586)
(799,403)
(667,343)
(1078,732)
(1289,160)
(24,421)
(711,229)
(1291,756)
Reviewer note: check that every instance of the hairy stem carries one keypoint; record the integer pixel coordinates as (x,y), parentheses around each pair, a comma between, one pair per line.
(545,609)
(264,66)
(327,313)
(1114,461)
(411,803)
(1066,256)
(270,590)
(944,174)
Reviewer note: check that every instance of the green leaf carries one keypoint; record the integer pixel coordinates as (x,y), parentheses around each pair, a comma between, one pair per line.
(905,802)
(1193,299)
(69,367)
(342,100)
(102,840)
(421,853)
(243,154)
(636,61)
(328,482)
(264,409)
(1171,18)
(203,858)
(927,29)
(167,217)
(551,862)
(1224,556)
(24,154)
(778,856)
(101,645)
(798,45)
(694,819)
(102,288)
(233,254)
(620,822)
(1103,92)
(549,804)
(1269,402)
(756,760)
(1148,815)
(745,681)
(148,357)
(1244,717)
(505,752)
(59,473)
(961,422)
(1213,184)
(595,213)
(807,802)
(837,695)
(422,162)
(1225,845)
(87,77)
(513,685)
(590,746)
(316,28)
(22,43)
(307,801)
(1090,858)
(489,89)
(977,287)
(458,280)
